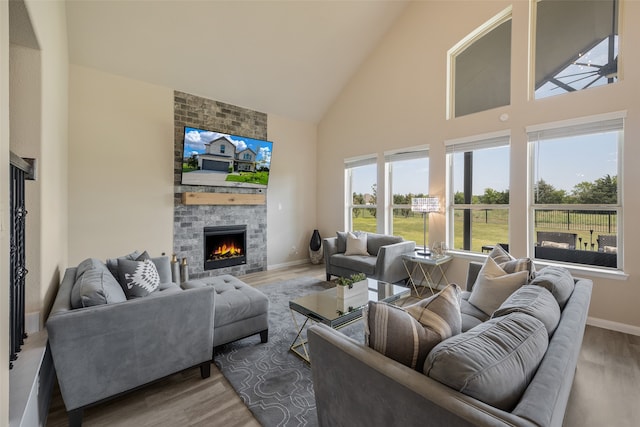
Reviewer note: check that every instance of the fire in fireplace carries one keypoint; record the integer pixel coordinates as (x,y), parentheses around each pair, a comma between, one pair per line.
(224,246)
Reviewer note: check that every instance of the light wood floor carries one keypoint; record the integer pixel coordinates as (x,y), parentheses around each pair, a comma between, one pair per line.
(606,389)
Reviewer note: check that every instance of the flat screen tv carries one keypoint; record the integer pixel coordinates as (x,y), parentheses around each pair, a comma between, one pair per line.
(224,160)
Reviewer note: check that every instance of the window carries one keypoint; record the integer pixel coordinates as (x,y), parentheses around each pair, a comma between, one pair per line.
(408,177)
(576,45)
(480,68)
(222,148)
(361,186)
(478,192)
(576,207)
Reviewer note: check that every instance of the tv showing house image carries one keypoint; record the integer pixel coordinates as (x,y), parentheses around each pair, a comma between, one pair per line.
(225,160)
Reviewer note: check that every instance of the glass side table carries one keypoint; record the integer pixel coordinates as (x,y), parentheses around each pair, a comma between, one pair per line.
(421,270)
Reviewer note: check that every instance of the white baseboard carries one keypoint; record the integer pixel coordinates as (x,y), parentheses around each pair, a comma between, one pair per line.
(614,326)
(288,264)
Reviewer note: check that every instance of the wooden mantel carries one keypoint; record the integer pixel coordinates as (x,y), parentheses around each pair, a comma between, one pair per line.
(223,199)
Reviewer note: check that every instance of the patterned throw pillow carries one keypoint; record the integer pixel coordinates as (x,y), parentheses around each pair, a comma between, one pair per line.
(408,334)
(138,278)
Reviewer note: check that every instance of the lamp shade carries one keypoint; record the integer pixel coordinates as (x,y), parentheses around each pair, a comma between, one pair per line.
(425,204)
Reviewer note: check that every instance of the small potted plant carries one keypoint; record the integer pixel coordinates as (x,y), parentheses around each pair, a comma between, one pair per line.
(349,286)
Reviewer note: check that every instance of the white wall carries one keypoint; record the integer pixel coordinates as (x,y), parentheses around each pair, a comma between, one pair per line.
(4,213)
(120,166)
(291,196)
(397,99)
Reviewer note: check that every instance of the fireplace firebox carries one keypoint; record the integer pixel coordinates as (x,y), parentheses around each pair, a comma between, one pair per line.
(225,246)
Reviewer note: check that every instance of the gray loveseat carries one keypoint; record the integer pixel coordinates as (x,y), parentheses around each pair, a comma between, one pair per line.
(357,386)
(383,260)
(107,345)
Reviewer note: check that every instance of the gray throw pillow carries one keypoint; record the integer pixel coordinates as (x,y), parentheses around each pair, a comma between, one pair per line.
(493,362)
(407,334)
(138,278)
(112,263)
(341,241)
(535,301)
(510,264)
(493,286)
(558,281)
(96,286)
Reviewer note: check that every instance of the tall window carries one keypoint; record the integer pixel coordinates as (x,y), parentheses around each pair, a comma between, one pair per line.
(478,192)
(576,45)
(408,177)
(361,190)
(480,68)
(575,186)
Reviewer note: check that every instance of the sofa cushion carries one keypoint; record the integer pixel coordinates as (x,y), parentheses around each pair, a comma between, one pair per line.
(493,362)
(408,334)
(493,286)
(535,301)
(112,263)
(558,281)
(471,315)
(376,241)
(364,264)
(96,286)
(510,264)
(356,244)
(138,278)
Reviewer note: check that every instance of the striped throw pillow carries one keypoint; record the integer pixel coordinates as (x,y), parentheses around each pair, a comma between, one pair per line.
(408,334)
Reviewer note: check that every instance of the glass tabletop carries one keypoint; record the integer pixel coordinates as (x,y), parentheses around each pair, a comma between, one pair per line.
(325,306)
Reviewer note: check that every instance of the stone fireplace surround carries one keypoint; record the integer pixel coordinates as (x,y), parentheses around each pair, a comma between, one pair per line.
(189,220)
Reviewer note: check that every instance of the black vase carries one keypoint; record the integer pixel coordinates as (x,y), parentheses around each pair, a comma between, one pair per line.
(316,241)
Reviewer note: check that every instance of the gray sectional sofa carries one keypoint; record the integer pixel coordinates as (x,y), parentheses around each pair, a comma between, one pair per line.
(104,344)
(382,261)
(358,386)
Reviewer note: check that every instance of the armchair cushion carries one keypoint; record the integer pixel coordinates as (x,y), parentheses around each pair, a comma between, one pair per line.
(361,263)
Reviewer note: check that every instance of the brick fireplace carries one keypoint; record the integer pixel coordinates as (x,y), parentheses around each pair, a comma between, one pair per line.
(189,221)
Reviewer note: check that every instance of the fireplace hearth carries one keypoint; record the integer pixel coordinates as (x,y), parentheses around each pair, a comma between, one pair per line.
(225,246)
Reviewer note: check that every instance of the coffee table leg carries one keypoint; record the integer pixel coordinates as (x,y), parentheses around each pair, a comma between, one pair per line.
(299,341)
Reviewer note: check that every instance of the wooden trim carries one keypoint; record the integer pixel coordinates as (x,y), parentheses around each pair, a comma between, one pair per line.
(223,199)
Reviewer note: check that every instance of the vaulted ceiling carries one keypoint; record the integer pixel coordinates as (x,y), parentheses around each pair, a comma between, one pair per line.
(290,58)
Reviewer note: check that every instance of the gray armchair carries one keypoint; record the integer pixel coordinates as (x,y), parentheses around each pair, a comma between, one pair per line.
(382,262)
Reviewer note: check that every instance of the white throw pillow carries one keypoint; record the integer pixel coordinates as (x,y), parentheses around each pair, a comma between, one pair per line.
(493,286)
(546,244)
(356,244)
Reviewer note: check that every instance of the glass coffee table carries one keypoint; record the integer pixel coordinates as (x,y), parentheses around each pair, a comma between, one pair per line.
(325,307)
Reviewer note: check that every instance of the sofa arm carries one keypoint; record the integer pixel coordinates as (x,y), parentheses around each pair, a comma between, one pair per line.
(389,265)
(346,374)
(104,350)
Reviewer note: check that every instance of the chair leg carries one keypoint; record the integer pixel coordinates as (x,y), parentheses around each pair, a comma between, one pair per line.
(75,417)
(205,369)
(264,336)
(328,277)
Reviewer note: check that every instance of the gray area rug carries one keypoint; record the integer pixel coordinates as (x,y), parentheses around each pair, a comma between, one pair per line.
(272,381)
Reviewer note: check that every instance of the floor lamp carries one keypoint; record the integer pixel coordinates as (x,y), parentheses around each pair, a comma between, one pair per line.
(425,205)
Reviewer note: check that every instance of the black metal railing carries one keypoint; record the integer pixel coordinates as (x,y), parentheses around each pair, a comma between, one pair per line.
(598,221)
(21,170)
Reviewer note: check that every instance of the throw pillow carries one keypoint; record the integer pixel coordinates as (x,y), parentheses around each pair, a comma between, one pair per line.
(493,362)
(96,286)
(558,281)
(406,335)
(510,264)
(494,285)
(535,301)
(112,263)
(138,278)
(610,249)
(341,241)
(356,244)
(557,245)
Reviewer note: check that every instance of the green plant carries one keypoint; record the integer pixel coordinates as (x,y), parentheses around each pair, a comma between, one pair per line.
(349,281)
